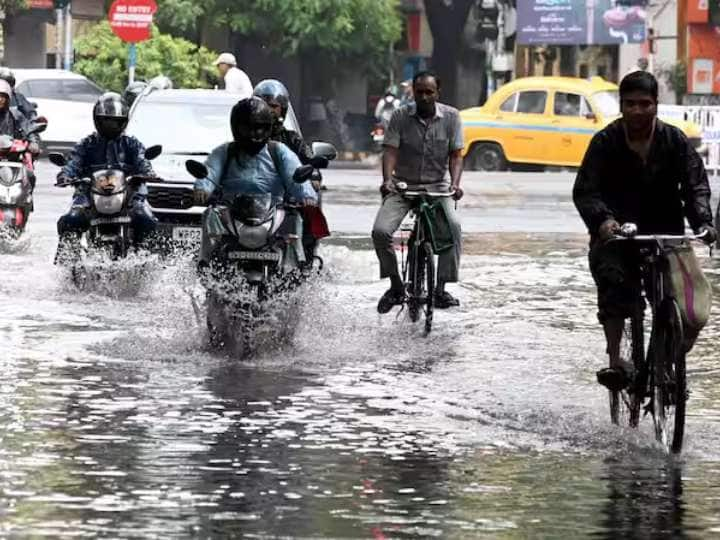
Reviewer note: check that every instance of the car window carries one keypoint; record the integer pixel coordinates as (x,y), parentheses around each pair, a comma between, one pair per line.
(23,88)
(80,90)
(567,104)
(509,104)
(44,89)
(167,123)
(531,102)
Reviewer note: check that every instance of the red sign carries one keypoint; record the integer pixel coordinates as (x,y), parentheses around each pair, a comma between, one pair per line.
(41,4)
(698,11)
(131,20)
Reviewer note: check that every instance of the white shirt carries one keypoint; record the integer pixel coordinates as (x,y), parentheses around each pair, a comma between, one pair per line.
(237,82)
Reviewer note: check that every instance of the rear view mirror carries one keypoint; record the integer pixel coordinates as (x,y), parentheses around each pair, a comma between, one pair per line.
(57,159)
(325,150)
(196,169)
(319,162)
(37,128)
(302,173)
(153,151)
(591,116)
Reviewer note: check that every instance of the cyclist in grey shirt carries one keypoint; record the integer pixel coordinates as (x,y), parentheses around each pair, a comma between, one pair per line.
(422,141)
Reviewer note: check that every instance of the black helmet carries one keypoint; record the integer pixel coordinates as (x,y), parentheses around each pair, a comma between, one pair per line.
(110,115)
(272,90)
(6,74)
(132,91)
(251,123)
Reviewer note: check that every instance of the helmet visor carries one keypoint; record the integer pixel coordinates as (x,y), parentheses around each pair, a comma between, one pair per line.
(111,126)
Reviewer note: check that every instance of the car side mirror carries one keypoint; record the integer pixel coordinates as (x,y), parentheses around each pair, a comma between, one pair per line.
(153,151)
(319,162)
(57,158)
(302,173)
(196,169)
(325,150)
(591,116)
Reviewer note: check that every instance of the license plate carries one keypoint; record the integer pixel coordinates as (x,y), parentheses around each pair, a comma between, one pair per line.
(187,234)
(110,221)
(254,256)
(378,138)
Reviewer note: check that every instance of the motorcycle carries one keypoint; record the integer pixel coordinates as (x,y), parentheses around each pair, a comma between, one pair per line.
(110,231)
(386,107)
(17,182)
(254,252)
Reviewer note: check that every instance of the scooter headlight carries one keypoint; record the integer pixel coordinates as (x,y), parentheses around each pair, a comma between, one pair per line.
(252,237)
(10,175)
(108,204)
(11,194)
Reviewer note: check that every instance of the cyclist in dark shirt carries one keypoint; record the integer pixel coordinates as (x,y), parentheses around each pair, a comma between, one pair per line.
(637,170)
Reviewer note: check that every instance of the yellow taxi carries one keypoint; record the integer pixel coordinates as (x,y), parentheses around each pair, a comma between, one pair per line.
(543,121)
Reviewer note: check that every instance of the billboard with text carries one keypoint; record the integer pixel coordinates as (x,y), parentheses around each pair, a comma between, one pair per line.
(580,22)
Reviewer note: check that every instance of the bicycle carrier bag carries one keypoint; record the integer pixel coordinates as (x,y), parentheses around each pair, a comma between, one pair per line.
(689,287)
(438,226)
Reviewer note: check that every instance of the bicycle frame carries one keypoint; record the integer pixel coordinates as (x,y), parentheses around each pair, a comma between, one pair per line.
(661,373)
(418,269)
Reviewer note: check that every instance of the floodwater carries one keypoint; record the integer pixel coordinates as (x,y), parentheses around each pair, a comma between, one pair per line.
(117,421)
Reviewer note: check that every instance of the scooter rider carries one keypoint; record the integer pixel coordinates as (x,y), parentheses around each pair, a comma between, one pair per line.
(17,99)
(250,164)
(274,93)
(107,148)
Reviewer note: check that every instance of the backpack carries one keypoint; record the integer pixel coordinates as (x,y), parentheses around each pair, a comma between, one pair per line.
(273,148)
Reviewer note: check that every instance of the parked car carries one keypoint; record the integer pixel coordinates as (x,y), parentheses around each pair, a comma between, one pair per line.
(544,121)
(65,98)
(188,124)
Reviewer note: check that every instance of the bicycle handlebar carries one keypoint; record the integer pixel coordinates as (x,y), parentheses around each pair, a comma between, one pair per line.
(660,237)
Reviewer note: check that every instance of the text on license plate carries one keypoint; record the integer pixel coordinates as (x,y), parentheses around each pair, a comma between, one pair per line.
(254,255)
(110,221)
(187,234)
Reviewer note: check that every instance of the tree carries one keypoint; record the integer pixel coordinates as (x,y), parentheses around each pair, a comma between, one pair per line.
(344,30)
(10,8)
(447,19)
(103,57)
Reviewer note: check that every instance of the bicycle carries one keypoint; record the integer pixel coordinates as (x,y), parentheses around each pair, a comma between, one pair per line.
(660,373)
(418,268)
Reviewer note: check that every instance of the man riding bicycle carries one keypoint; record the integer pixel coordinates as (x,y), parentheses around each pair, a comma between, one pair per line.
(422,140)
(636,170)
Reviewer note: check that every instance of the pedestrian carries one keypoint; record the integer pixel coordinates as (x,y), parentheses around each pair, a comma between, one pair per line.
(236,80)
(422,141)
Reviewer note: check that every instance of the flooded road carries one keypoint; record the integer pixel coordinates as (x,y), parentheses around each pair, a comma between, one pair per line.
(116,421)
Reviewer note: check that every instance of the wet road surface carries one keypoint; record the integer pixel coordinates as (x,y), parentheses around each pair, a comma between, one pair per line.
(116,421)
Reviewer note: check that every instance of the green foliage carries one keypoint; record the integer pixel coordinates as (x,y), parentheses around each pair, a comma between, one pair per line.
(11,7)
(361,30)
(103,57)
(676,76)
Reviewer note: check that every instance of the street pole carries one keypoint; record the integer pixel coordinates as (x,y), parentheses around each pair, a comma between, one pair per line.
(58,38)
(132,60)
(68,38)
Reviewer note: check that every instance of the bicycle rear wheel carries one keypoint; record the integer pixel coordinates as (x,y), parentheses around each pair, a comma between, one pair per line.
(429,263)
(669,383)
(625,404)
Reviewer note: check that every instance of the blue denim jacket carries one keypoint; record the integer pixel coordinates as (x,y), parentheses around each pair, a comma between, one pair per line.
(95,153)
(256,174)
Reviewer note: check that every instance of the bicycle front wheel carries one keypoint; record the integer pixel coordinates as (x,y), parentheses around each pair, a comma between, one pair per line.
(429,264)
(669,383)
(625,404)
